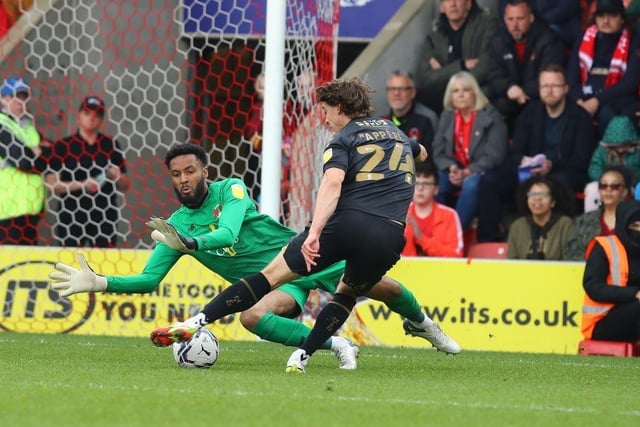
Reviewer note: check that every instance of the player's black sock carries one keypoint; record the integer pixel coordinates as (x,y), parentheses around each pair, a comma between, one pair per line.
(238,297)
(329,320)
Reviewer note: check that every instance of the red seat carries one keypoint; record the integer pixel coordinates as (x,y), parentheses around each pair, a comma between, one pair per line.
(489,250)
(609,348)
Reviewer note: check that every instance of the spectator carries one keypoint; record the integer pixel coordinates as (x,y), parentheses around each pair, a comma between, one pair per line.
(10,12)
(614,187)
(603,68)
(413,118)
(611,309)
(459,41)
(633,13)
(559,130)
(253,133)
(86,172)
(541,233)
(517,53)
(563,17)
(471,139)
(619,146)
(21,185)
(632,10)
(432,229)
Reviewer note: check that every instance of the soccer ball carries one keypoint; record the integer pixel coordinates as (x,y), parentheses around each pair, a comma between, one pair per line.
(201,351)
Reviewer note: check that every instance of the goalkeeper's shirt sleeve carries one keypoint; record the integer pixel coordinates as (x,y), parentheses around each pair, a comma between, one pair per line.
(233,196)
(160,262)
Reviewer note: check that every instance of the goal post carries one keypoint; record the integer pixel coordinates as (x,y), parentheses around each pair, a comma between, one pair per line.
(168,71)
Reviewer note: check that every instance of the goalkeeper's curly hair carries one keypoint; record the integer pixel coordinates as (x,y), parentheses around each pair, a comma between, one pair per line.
(186,148)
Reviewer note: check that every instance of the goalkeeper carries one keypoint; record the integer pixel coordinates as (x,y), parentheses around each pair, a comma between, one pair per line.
(219,226)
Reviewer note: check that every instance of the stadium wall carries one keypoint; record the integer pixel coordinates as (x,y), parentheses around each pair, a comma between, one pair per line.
(399,45)
(507,306)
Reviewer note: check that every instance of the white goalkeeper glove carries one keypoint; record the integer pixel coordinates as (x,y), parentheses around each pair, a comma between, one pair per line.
(68,280)
(166,233)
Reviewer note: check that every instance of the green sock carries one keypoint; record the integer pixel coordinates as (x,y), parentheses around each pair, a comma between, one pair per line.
(407,306)
(284,331)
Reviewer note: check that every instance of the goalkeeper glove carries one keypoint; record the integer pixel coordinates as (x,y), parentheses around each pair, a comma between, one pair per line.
(166,233)
(68,280)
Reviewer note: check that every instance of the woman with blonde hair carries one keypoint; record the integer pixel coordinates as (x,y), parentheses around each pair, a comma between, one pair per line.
(471,138)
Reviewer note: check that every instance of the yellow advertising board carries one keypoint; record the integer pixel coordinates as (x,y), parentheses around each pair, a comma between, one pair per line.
(490,305)
(484,305)
(30,306)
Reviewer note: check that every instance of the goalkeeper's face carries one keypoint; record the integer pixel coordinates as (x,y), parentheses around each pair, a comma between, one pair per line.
(189,178)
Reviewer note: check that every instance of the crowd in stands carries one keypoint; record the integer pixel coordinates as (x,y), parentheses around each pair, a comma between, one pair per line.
(84,173)
(526,108)
(537,109)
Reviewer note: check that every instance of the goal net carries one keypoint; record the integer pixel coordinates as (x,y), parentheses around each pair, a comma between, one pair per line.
(168,71)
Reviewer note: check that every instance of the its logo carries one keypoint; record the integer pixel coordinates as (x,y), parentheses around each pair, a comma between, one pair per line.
(29,305)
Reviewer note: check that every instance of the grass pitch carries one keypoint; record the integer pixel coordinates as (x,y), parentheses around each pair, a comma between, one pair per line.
(63,380)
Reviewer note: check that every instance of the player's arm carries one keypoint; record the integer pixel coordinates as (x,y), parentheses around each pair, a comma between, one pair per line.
(419,152)
(235,202)
(68,280)
(327,199)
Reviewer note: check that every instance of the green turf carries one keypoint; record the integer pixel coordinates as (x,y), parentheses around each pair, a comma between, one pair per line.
(61,380)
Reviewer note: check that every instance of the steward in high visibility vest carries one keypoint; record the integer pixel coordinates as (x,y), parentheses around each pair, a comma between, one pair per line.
(611,307)
(21,186)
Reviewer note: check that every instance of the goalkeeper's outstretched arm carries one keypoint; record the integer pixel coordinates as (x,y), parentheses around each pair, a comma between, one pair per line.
(68,280)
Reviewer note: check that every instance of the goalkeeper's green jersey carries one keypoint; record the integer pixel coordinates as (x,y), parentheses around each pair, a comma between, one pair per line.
(234,241)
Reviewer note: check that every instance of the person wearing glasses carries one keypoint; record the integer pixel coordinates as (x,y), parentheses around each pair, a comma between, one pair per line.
(416,120)
(619,146)
(614,187)
(518,51)
(559,130)
(432,229)
(543,229)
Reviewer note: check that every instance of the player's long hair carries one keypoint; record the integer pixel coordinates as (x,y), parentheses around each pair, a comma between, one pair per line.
(352,95)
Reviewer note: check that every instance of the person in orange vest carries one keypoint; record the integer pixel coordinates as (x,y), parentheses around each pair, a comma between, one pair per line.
(611,310)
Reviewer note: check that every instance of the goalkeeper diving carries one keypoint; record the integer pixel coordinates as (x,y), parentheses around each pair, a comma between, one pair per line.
(218,224)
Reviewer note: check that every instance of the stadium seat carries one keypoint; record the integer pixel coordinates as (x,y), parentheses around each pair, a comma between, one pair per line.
(490,250)
(609,348)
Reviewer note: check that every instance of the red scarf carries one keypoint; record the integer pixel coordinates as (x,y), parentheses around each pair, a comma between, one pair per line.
(618,64)
(462,137)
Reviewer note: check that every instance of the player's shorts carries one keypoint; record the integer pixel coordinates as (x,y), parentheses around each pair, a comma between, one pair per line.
(325,280)
(370,245)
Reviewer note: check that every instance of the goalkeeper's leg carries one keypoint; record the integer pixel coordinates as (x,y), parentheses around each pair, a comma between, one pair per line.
(272,320)
(238,297)
(402,301)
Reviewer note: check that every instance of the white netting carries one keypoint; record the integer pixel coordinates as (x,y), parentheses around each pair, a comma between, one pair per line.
(173,71)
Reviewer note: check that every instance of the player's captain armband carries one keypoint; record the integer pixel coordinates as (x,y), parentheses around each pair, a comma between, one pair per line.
(237,191)
(328,153)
